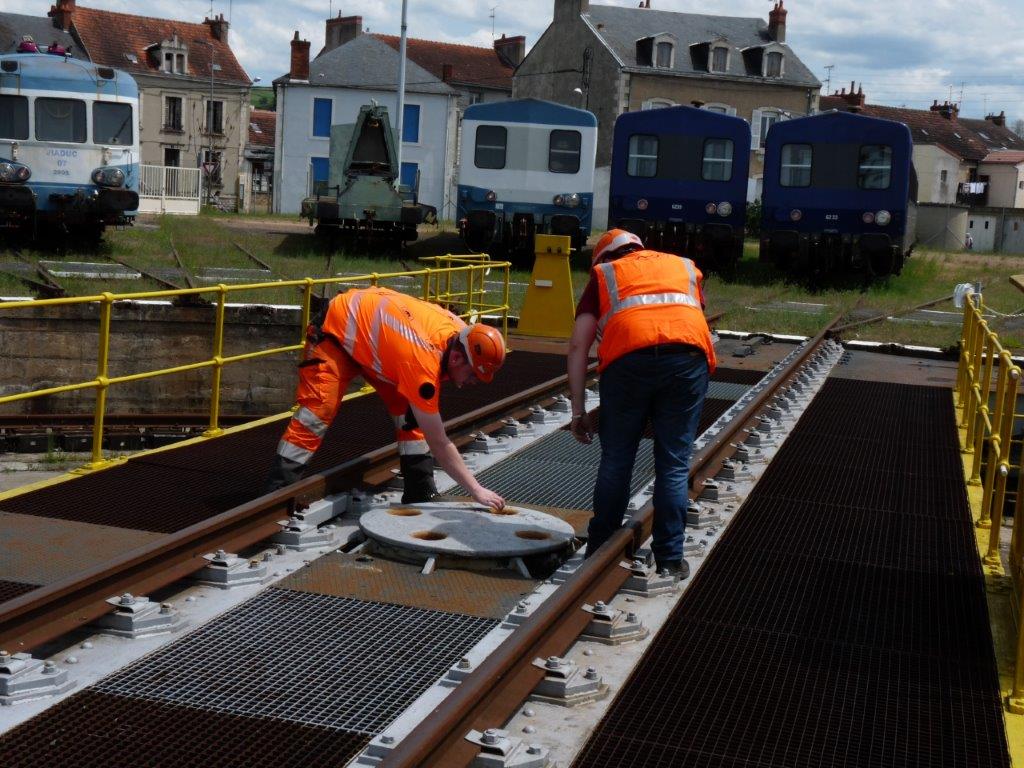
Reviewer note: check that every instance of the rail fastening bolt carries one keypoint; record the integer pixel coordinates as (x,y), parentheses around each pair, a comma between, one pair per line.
(465,663)
(165,608)
(529,729)
(632,618)
(591,673)
(533,749)
(386,739)
(490,736)
(553,662)
(49,668)
(127,599)
(220,556)
(600,606)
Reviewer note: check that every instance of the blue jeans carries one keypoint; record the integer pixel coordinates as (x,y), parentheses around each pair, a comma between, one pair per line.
(666,384)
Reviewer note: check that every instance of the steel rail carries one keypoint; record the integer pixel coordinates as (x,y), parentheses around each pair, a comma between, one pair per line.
(489,695)
(899,313)
(55,609)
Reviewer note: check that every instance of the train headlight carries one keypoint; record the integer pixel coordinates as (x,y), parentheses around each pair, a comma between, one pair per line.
(882,218)
(868,217)
(491,196)
(796,214)
(108,177)
(725,209)
(572,201)
(641,204)
(14,173)
(710,209)
(559,200)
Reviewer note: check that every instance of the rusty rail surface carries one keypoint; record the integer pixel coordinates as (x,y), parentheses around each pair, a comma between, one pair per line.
(490,694)
(55,609)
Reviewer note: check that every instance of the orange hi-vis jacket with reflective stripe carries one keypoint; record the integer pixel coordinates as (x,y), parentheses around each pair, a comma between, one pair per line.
(650,298)
(397,339)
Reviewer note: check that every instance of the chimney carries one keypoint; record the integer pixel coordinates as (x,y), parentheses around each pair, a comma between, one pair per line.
(511,50)
(999,119)
(854,98)
(342,30)
(570,10)
(446,73)
(300,59)
(777,22)
(218,27)
(947,110)
(61,14)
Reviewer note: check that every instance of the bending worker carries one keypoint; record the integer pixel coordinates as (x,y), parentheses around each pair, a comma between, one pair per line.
(404,348)
(654,356)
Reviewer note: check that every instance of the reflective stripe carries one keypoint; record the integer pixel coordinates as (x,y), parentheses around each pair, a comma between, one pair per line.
(293,452)
(407,333)
(692,269)
(412,447)
(645,299)
(375,340)
(310,421)
(351,326)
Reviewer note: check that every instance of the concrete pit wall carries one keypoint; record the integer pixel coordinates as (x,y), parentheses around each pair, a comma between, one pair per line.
(54,346)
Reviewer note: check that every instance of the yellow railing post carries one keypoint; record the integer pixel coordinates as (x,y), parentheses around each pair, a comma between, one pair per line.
(504,301)
(218,363)
(999,460)
(1015,701)
(102,381)
(981,419)
(961,371)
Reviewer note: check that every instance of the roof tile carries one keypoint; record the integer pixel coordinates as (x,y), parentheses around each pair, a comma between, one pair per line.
(471,64)
(262,124)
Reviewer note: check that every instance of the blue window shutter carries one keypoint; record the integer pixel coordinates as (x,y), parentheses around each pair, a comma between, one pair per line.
(411,124)
(321,117)
(321,168)
(408,177)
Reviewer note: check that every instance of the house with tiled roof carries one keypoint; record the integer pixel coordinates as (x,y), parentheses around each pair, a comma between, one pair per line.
(258,163)
(193,91)
(356,67)
(614,59)
(950,151)
(16,27)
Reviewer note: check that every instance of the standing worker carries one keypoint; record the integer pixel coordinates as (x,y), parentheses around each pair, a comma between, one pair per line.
(654,356)
(404,348)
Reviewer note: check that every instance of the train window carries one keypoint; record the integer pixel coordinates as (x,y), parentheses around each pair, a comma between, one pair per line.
(491,141)
(14,117)
(717,160)
(564,151)
(795,170)
(111,123)
(643,156)
(875,168)
(60,120)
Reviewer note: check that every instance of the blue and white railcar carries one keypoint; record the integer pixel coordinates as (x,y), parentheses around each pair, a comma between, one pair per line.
(69,145)
(840,194)
(679,181)
(526,168)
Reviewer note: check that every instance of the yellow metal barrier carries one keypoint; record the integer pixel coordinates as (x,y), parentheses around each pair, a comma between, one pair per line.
(457,282)
(986,401)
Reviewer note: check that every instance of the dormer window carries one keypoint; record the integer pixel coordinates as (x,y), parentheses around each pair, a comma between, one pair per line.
(773,64)
(172,56)
(719,59)
(664,55)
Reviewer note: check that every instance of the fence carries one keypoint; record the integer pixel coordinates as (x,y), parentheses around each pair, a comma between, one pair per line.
(986,397)
(455,282)
(165,189)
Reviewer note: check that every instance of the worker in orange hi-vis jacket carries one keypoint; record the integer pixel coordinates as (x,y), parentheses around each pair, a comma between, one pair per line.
(404,348)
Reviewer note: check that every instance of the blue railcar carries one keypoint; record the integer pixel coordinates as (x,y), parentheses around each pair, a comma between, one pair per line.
(679,181)
(69,145)
(839,194)
(526,168)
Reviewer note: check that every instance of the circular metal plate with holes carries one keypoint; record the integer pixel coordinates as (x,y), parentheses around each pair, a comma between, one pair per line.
(465,529)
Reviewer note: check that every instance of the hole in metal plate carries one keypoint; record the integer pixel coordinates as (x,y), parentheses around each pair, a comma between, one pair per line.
(429,535)
(403,512)
(533,535)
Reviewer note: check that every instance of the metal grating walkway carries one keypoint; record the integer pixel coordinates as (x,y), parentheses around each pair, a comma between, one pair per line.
(839,622)
(192,483)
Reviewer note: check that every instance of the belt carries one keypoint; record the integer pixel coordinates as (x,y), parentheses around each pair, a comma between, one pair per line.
(669,349)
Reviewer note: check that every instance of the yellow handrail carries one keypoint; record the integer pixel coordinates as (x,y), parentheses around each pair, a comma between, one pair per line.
(986,399)
(463,291)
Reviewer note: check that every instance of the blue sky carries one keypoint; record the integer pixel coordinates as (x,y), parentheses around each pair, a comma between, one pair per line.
(904,52)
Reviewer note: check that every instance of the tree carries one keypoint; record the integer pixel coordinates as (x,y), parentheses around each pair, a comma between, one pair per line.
(1018,126)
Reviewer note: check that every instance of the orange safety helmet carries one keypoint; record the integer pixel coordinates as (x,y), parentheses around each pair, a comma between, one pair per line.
(485,349)
(611,241)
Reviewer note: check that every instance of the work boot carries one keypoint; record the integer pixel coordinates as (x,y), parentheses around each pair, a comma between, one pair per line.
(284,472)
(418,478)
(677,569)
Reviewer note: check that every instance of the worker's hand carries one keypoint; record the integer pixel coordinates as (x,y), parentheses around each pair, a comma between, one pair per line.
(581,428)
(489,499)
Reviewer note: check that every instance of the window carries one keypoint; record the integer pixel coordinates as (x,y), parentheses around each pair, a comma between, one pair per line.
(643,156)
(657,104)
(14,117)
(213,164)
(172,113)
(717,162)
(1020,185)
(664,54)
(767,120)
(322,117)
(718,110)
(411,124)
(111,123)
(179,63)
(796,165)
(719,59)
(172,157)
(943,176)
(215,117)
(773,64)
(875,168)
(491,141)
(564,151)
(319,173)
(168,62)
(60,120)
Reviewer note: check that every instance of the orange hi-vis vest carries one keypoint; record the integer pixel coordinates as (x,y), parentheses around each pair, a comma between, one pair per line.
(649,298)
(396,338)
